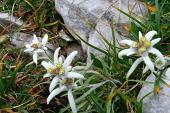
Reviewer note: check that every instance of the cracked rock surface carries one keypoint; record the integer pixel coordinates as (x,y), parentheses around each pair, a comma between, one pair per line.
(156,103)
(92,19)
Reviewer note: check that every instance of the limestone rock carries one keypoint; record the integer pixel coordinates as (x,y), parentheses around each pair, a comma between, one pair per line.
(9,23)
(75,47)
(160,102)
(64,36)
(19,39)
(92,19)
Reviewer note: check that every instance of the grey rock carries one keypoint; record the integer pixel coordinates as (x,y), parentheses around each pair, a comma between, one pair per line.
(75,47)
(156,103)
(9,23)
(64,36)
(92,19)
(10,19)
(19,40)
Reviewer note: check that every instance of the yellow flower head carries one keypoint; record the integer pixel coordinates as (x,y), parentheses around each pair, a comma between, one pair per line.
(58,70)
(142,45)
(36,45)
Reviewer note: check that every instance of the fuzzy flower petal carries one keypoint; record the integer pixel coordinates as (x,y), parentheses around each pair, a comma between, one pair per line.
(133,67)
(128,42)
(125,52)
(53,84)
(148,62)
(28,46)
(71,101)
(145,69)
(39,51)
(45,39)
(74,75)
(60,59)
(158,54)
(150,35)
(56,53)
(69,59)
(28,50)
(155,41)
(140,35)
(69,68)
(47,75)
(35,55)
(55,92)
(133,51)
(44,48)
(47,65)
(35,39)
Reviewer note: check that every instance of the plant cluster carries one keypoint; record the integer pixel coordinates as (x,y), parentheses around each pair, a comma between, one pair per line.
(109,84)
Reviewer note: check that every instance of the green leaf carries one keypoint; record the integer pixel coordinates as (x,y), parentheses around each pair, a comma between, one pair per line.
(109,103)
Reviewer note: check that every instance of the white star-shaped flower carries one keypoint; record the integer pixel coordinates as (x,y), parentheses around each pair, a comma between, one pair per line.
(63,77)
(36,47)
(59,68)
(64,84)
(142,48)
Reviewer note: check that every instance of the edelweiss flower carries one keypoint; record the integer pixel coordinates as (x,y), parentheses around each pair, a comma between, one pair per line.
(59,68)
(63,76)
(158,64)
(64,84)
(142,48)
(36,47)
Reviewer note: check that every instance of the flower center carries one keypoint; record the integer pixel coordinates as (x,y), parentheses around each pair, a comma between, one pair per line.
(36,45)
(142,45)
(67,81)
(58,70)
(159,64)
